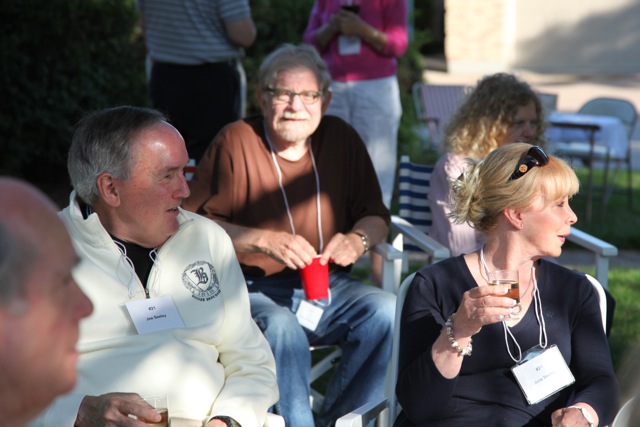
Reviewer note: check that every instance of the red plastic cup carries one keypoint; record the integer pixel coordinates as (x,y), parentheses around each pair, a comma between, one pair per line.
(315,280)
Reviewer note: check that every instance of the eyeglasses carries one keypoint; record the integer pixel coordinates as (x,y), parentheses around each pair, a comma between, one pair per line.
(534,157)
(307,97)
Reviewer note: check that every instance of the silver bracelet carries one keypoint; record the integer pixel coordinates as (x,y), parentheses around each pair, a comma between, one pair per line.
(462,351)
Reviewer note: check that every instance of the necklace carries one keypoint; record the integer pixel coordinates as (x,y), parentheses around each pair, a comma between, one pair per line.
(528,286)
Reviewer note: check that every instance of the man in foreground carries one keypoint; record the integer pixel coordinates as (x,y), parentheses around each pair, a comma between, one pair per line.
(40,304)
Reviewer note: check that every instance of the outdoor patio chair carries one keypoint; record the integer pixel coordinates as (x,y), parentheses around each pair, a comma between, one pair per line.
(435,105)
(394,256)
(549,102)
(624,416)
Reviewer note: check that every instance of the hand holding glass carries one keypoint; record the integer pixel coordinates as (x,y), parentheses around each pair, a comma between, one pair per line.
(159,403)
(509,280)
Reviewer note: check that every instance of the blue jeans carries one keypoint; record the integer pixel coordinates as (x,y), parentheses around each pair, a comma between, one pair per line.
(360,320)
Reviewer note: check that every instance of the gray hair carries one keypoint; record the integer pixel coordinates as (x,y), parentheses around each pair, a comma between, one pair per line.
(290,57)
(102,144)
(15,256)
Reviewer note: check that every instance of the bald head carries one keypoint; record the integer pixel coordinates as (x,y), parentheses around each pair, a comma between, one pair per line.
(40,303)
(28,224)
(21,200)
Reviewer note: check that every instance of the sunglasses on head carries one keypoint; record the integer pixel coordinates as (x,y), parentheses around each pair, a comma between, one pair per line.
(534,157)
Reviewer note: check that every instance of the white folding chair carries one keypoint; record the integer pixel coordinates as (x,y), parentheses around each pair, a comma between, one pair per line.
(624,417)
(319,368)
(385,409)
(602,298)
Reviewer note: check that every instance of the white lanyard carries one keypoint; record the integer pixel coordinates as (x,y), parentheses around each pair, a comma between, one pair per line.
(284,193)
(537,301)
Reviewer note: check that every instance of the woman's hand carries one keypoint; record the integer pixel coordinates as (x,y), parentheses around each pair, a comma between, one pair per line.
(480,306)
(349,23)
(483,305)
(573,416)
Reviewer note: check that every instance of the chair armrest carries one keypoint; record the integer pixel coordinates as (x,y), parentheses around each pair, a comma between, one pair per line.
(602,250)
(362,416)
(433,248)
(391,265)
(388,252)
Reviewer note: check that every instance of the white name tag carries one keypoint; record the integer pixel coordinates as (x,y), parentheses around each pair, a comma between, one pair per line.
(154,314)
(543,374)
(309,315)
(349,45)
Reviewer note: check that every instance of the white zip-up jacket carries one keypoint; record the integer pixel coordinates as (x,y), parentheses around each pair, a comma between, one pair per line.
(219,364)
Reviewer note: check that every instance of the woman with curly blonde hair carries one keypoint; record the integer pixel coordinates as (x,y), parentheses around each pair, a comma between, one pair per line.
(500,110)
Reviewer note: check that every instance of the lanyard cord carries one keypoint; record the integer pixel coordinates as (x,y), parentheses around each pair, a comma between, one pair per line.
(284,193)
(537,301)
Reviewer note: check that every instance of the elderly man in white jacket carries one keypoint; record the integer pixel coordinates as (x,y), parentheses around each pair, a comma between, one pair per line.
(171,306)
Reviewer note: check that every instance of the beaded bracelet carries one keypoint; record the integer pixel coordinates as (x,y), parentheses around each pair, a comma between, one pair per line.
(462,351)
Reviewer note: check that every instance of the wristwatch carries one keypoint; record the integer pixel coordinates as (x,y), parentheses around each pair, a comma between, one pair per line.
(585,414)
(230,422)
(364,238)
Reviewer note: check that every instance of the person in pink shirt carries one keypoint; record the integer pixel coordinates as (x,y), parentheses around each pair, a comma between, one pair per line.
(361,43)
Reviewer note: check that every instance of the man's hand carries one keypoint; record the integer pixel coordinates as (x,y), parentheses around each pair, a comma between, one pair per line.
(343,249)
(293,251)
(113,410)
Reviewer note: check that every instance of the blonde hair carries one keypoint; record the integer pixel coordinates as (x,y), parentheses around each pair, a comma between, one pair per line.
(485,189)
(482,122)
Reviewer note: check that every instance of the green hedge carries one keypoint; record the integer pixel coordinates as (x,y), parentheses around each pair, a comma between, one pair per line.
(62,58)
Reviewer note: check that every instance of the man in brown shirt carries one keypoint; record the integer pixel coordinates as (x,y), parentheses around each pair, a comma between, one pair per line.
(287,186)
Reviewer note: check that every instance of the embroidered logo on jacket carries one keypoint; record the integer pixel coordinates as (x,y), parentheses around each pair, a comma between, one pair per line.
(201,280)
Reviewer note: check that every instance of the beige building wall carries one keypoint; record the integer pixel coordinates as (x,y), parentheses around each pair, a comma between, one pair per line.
(549,36)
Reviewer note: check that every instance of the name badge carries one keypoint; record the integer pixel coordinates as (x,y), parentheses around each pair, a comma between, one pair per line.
(349,45)
(309,315)
(154,314)
(541,373)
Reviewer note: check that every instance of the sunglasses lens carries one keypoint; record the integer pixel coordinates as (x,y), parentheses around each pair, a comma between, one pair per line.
(539,155)
(534,157)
